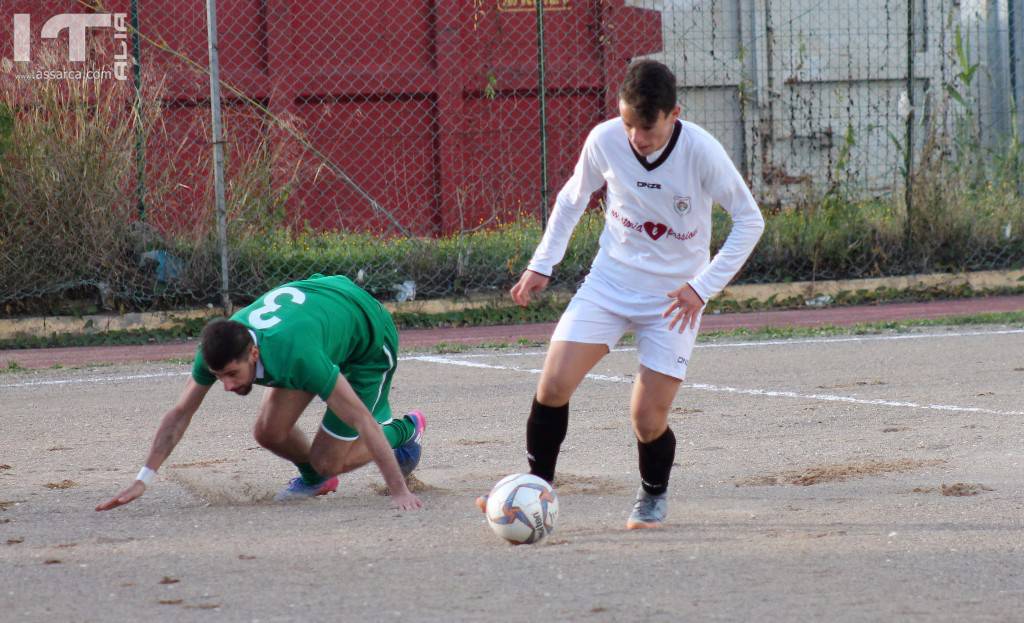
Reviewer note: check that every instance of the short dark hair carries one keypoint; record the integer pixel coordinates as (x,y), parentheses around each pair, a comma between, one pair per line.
(224,341)
(649,88)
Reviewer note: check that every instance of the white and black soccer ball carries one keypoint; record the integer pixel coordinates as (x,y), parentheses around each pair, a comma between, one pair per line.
(522,508)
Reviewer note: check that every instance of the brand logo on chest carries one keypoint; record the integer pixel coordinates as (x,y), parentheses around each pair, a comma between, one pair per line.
(651,185)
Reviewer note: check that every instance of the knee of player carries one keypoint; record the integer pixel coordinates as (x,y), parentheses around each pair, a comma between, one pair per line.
(269,436)
(649,430)
(554,392)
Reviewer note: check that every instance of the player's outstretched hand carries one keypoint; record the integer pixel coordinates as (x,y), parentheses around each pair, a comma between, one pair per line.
(528,283)
(129,494)
(686,304)
(406,502)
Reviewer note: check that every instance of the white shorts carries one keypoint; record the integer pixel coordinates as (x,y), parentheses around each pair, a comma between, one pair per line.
(601,312)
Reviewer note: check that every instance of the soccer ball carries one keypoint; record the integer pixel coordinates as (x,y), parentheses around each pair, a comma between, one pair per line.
(522,508)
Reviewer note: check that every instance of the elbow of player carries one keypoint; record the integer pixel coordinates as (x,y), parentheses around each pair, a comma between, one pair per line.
(569,200)
(757,224)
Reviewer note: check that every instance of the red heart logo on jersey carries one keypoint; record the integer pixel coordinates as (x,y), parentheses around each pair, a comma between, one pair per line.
(655,230)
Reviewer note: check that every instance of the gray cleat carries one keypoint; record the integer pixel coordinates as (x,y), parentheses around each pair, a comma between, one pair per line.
(649,511)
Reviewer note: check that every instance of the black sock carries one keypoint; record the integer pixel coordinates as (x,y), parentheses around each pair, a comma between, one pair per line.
(545,431)
(656,462)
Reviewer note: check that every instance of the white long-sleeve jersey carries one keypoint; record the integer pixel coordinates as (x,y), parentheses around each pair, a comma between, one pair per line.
(657,231)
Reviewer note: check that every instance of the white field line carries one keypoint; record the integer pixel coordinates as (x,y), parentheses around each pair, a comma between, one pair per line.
(784,342)
(95,380)
(704,387)
(735,390)
(863,338)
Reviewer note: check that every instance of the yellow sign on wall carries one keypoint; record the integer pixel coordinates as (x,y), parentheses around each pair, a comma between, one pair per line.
(512,6)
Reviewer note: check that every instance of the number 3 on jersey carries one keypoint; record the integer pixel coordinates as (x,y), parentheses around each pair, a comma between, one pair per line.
(262,318)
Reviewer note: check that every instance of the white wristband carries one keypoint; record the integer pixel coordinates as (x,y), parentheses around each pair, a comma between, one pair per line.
(146,475)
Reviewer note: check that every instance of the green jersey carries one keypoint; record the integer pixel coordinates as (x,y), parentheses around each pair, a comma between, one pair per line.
(308,331)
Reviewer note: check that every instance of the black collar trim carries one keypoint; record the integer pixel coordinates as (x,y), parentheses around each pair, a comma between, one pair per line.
(650,166)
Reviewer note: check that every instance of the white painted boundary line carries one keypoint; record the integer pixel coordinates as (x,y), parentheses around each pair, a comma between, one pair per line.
(785,342)
(862,338)
(734,390)
(96,379)
(617,379)
(850,399)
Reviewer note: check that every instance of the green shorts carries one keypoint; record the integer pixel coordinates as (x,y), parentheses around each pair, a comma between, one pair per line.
(370,378)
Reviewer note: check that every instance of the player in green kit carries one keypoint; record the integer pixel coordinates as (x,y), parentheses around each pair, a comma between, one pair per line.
(322,336)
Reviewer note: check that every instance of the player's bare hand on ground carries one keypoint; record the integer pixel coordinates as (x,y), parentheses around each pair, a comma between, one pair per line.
(406,502)
(686,305)
(528,283)
(134,491)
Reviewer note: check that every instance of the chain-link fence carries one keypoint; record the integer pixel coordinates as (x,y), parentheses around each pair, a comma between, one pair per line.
(416,146)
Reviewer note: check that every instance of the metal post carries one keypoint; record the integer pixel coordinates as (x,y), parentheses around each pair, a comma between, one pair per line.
(1015,44)
(1015,48)
(140,134)
(542,97)
(997,31)
(908,152)
(218,153)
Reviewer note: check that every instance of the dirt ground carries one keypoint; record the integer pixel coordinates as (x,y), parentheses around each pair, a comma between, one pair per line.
(836,479)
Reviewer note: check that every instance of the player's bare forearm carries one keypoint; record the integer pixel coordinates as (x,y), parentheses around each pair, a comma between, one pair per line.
(168,434)
(344,402)
(382,454)
(174,424)
(172,429)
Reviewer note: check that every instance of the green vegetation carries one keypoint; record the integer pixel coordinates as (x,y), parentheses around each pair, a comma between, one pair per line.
(184,329)
(549,309)
(545,309)
(1014,319)
(1011,319)
(445,348)
(192,330)
(71,229)
(834,239)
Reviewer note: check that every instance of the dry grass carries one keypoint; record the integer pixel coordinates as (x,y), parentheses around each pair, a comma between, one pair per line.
(69,208)
(65,176)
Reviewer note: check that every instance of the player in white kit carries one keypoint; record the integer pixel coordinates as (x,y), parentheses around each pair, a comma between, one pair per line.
(653,273)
